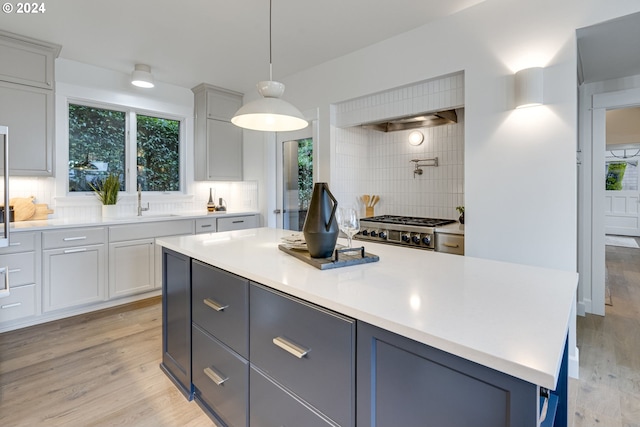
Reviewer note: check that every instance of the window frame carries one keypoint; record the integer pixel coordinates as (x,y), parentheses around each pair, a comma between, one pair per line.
(131,145)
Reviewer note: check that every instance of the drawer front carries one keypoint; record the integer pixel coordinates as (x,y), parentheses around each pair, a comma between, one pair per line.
(72,237)
(221,379)
(205,225)
(450,243)
(20,303)
(266,395)
(219,305)
(22,267)
(20,242)
(148,230)
(282,329)
(237,223)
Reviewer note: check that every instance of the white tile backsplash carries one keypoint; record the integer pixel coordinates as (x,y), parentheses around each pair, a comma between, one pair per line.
(372,162)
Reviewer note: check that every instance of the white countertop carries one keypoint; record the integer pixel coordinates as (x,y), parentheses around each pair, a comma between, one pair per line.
(455,228)
(512,318)
(99,221)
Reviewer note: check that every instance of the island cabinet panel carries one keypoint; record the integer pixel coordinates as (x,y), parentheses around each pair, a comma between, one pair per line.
(220,378)
(306,349)
(405,383)
(266,396)
(220,305)
(176,319)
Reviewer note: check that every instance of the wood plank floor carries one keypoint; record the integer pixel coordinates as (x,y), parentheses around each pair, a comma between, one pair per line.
(608,391)
(99,369)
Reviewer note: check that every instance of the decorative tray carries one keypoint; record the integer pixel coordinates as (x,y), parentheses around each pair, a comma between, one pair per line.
(342,257)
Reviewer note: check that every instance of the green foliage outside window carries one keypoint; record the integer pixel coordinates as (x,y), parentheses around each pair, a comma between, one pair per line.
(158,154)
(305,172)
(615,174)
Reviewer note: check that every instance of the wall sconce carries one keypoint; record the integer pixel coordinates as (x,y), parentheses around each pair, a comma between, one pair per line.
(416,137)
(142,77)
(529,87)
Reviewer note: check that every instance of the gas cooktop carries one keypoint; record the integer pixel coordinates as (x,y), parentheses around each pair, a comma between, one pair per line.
(409,220)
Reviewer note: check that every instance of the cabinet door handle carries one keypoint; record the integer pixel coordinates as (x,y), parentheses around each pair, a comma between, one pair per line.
(291,347)
(15,244)
(15,270)
(71,239)
(214,304)
(449,245)
(205,226)
(71,251)
(215,376)
(15,304)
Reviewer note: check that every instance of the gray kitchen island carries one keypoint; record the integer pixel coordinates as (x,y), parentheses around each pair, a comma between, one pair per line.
(260,338)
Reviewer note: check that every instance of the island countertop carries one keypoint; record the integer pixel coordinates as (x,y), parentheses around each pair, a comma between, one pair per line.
(512,318)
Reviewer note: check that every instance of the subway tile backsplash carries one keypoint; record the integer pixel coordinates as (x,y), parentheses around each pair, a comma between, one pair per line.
(372,162)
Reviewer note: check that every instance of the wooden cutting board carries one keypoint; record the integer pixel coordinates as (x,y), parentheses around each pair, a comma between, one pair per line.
(23,208)
(42,212)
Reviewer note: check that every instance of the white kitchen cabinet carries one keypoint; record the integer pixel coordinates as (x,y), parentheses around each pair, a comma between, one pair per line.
(131,267)
(237,222)
(73,267)
(218,143)
(22,259)
(26,102)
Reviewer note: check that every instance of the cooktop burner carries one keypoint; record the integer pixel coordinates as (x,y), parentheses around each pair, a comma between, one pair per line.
(409,220)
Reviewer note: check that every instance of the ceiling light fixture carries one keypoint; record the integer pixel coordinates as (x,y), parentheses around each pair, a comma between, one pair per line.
(269,113)
(529,87)
(142,77)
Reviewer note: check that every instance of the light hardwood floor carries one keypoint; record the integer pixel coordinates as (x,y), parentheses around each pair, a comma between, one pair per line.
(608,391)
(101,369)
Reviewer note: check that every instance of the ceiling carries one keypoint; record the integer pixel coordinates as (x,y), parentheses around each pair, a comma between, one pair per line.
(225,43)
(609,50)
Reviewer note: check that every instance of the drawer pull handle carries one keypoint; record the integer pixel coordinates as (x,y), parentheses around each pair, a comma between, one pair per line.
(15,244)
(71,251)
(205,226)
(238,222)
(291,347)
(71,239)
(15,304)
(450,245)
(215,376)
(15,270)
(214,304)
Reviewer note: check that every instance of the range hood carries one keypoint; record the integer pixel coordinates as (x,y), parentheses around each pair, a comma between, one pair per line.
(414,121)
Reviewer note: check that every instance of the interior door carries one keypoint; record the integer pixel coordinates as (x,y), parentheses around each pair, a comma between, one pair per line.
(622,216)
(295,177)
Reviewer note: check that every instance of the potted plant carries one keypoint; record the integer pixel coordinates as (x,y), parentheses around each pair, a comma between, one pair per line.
(460,210)
(107,193)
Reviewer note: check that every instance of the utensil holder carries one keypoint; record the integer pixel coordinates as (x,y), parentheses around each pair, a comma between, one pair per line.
(369,211)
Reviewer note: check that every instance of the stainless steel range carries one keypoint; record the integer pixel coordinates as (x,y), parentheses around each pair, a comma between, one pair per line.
(414,232)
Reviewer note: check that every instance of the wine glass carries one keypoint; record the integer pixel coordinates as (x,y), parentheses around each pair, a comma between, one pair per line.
(348,222)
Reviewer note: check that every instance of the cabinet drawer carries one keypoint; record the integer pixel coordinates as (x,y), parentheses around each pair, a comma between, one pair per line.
(205,225)
(266,395)
(221,379)
(20,242)
(22,267)
(20,303)
(450,243)
(280,327)
(237,222)
(120,233)
(219,305)
(72,237)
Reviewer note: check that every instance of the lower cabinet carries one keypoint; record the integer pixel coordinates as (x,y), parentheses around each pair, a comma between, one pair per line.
(176,320)
(403,383)
(131,267)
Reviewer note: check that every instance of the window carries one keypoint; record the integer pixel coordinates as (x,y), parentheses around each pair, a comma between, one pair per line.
(106,141)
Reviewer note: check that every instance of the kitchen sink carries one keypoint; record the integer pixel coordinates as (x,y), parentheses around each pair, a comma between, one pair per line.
(145,216)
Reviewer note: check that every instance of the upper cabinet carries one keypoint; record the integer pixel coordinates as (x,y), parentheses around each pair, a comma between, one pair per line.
(27,79)
(218,143)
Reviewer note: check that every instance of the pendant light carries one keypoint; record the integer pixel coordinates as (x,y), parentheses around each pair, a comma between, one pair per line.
(269,113)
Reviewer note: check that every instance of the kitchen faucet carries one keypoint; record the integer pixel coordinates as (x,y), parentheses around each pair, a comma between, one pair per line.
(140,208)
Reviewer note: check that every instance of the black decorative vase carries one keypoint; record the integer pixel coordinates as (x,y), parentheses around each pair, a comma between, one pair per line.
(461,218)
(320,227)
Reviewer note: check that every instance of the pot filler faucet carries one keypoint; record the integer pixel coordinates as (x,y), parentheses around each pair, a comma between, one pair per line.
(140,208)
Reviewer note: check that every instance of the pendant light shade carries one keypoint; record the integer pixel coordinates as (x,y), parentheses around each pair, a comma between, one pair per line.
(142,77)
(269,113)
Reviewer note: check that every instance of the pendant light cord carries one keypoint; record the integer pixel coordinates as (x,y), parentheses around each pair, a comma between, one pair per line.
(270,48)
